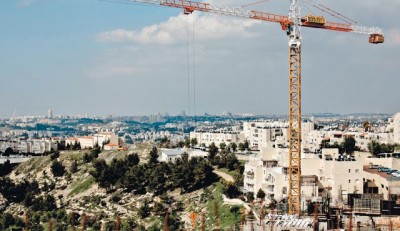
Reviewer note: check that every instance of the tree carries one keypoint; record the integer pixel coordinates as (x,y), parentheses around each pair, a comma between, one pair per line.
(222,146)
(174,222)
(54,155)
(272,204)
(250,196)
(74,167)
(241,147)
(349,144)
(212,151)
(144,210)
(324,144)
(246,145)
(260,194)
(9,151)
(153,156)
(76,146)
(376,148)
(230,190)
(193,142)
(133,159)
(128,139)
(181,144)
(231,161)
(187,142)
(5,168)
(61,145)
(57,168)
(366,125)
(234,147)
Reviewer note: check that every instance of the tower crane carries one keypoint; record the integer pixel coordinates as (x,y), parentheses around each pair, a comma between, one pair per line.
(292,25)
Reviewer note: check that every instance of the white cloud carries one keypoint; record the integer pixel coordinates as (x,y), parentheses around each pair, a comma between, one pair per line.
(175,30)
(26,3)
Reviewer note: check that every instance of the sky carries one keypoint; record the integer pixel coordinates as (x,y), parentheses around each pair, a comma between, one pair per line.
(102,58)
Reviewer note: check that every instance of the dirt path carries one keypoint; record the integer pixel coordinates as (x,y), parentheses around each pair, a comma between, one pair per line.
(224,176)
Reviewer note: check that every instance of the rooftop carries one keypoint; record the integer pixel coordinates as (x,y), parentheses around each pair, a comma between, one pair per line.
(384,175)
(173,152)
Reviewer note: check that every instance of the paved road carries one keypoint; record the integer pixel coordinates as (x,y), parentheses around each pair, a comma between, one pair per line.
(14,160)
(224,176)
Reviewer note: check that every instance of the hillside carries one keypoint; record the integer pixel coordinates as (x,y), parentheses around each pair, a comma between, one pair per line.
(97,198)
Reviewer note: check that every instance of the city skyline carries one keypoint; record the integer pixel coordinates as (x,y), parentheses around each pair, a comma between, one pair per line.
(103,58)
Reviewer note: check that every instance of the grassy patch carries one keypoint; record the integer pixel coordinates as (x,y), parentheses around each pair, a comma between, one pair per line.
(72,155)
(229,216)
(34,165)
(83,186)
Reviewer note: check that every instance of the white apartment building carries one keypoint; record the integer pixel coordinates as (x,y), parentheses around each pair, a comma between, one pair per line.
(71,141)
(4,144)
(86,142)
(97,139)
(338,176)
(41,146)
(314,138)
(380,183)
(36,146)
(24,146)
(269,171)
(105,137)
(262,134)
(265,134)
(396,128)
(111,147)
(217,137)
(170,155)
(330,175)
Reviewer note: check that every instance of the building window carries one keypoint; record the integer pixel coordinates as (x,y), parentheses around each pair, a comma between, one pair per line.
(349,181)
(357,170)
(349,170)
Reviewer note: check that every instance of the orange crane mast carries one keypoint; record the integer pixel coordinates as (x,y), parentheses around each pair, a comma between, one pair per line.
(292,25)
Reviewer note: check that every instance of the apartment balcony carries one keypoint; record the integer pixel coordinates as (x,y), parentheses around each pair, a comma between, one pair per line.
(270,189)
(269,182)
(250,175)
(251,178)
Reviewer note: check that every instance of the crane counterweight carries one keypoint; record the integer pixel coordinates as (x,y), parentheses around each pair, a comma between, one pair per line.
(376,38)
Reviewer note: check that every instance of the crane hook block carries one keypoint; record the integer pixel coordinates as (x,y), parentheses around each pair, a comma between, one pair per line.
(376,38)
(188,10)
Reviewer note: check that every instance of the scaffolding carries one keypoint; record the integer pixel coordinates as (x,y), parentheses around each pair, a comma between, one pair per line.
(367,205)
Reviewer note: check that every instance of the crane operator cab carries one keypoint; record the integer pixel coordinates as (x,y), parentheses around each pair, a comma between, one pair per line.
(376,38)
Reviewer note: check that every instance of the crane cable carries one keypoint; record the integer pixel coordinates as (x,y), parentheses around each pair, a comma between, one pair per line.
(329,11)
(253,3)
(194,67)
(188,65)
